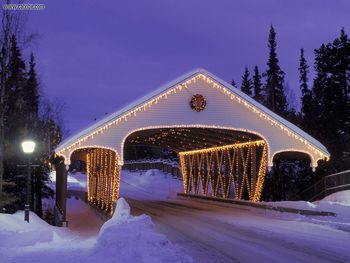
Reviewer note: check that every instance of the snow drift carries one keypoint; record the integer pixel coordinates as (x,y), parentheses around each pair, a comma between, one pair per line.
(133,238)
(123,238)
(15,232)
(342,197)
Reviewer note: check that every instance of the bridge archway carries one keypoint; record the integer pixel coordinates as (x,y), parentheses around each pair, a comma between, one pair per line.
(102,172)
(227,163)
(196,100)
(293,154)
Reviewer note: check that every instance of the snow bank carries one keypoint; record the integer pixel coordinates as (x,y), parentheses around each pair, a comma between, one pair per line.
(133,239)
(123,238)
(338,203)
(342,197)
(304,205)
(15,232)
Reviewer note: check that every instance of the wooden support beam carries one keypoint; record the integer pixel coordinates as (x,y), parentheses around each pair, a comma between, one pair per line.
(225,168)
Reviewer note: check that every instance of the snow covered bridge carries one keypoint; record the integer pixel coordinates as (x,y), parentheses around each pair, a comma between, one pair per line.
(225,140)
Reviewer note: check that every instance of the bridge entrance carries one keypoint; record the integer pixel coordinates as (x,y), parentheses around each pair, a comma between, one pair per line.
(213,162)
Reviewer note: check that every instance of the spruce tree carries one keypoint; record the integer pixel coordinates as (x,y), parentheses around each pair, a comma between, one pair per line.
(343,67)
(246,86)
(16,113)
(31,91)
(274,87)
(330,99)
(257,85)
(306,95)
(344,54)
(275,100)
(34,130)
(233,83)
(15,116)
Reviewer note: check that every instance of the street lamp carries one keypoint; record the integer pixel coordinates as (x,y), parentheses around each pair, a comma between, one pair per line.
(28,148)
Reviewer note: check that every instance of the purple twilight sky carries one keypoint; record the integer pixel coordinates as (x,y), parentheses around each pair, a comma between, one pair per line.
(98,56)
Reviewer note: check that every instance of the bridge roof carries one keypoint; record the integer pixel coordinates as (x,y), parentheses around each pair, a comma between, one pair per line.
(163,89)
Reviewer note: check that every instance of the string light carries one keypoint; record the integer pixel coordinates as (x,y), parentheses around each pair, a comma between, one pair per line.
(261,177)
(219,172)
(103,178)
(187,126)
(94,146)
(103,162)
(88,165)
(313,162)
(73,145)
(224,147)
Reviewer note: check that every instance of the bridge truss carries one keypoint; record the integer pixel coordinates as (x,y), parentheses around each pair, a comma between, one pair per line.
(230,171)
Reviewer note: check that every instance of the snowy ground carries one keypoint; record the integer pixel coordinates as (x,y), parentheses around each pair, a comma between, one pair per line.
(204,230)
(123,238)
(216,232)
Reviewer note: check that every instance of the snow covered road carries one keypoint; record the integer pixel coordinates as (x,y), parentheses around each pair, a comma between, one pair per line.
(216,232)
(211,232)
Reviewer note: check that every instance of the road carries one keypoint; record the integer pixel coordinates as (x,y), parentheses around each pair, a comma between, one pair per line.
(218,232)
(225,233)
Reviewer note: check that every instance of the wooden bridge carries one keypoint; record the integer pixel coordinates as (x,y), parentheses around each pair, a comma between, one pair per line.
(225,141)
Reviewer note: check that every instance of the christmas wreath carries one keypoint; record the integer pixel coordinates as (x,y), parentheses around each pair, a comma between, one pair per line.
(198,102)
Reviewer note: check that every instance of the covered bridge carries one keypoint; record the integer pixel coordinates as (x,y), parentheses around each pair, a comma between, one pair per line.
(225,141)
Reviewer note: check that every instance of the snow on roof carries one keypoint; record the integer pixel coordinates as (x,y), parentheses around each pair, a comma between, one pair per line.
(176,82)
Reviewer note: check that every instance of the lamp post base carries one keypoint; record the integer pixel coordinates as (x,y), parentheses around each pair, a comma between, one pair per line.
(26,213)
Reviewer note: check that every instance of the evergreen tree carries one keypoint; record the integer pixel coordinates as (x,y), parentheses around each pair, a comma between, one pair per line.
(31,91)
(8,22)
(19,117)
(303,71)
(331,123)
(15,118)
(246,86)
(16,121)
(49,135)
(257,85)
(23,120)
(343,67)
(319,84)
(233,83)
(276,100)
(274,87)
(306,94)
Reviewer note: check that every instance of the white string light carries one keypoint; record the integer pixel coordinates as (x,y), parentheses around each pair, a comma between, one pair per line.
(214,84)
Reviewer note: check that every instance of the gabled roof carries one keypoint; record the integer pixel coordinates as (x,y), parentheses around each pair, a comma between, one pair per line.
(163,89)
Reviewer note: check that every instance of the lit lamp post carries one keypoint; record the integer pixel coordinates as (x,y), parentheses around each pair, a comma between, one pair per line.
(28,148)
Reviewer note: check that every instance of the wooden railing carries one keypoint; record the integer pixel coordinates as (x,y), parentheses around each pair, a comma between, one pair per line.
(327,185)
